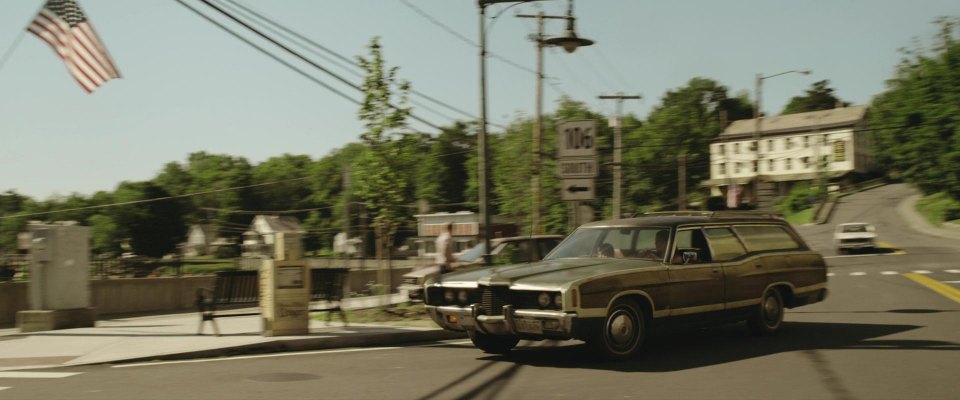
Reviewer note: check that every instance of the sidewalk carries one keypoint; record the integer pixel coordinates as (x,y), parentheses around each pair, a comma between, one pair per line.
(917,222)
(174,336)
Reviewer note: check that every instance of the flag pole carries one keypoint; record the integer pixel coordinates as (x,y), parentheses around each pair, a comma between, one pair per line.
(16,42)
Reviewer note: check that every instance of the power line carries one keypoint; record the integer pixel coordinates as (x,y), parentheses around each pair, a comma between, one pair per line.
(294,53)
(179,196)
(286,32)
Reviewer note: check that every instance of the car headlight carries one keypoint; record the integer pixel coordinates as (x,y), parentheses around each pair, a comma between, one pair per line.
(462,297)
(448,296)
(558,301)
(543,300)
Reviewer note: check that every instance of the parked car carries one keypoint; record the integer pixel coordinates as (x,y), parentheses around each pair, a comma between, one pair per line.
(510,250)
(610,282)
(855,235)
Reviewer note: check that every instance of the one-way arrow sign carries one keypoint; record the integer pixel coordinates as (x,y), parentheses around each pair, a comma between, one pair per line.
(577,189)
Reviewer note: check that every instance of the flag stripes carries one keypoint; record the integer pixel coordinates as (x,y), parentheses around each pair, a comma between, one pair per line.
(62,25)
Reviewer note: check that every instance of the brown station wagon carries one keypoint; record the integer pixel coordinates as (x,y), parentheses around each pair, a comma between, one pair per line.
(610,282)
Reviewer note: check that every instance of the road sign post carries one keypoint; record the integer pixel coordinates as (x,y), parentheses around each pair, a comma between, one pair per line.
(577,160)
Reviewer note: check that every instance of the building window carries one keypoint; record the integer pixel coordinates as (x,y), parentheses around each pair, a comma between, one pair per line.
(736,148)
(721,169)
(788,164)
(753,146)
(789,143)
(737,167)
(770,145)
(806,141)
(770,165)
(806,162)
(755,165)
(825,137)
(722,150)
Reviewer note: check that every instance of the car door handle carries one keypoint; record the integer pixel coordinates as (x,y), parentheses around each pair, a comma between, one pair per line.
(716,270)
(758,266)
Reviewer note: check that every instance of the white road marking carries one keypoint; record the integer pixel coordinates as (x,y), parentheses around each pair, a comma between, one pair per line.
(865,255)
(922,271)
(858,273)
(951,281)
(889,273)
(37,375)
(255,356)
(830,274)
(4,387)
(953,271)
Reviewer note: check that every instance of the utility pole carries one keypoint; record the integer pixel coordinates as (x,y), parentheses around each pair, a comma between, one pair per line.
(618,149)
(682,178)
(346,206)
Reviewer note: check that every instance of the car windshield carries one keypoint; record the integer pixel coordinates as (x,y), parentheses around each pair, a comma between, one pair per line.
(854,228)
(473,254)
(649,243)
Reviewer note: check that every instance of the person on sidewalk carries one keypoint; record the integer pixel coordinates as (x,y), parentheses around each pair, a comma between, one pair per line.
(444,245)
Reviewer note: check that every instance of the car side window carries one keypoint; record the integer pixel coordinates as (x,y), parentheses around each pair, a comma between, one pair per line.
(724,244)
(546,245)
(691,248)
(514,253)
(766,237)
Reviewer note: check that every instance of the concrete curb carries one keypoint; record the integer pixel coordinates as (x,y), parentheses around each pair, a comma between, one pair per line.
(289,345)
(907,210)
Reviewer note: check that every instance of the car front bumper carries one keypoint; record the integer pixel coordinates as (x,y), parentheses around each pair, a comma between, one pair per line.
(538,324)
(856,245)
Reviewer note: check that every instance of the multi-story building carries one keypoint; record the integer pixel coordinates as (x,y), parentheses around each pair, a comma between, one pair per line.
(790,147)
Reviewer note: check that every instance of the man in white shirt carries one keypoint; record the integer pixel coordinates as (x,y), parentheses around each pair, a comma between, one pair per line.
(444,245)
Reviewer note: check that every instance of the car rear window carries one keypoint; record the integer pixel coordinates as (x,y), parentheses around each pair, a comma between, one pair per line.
(767,237)
(725,244)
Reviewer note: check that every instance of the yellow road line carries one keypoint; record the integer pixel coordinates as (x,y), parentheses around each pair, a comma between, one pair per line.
(946,290)
(886,245)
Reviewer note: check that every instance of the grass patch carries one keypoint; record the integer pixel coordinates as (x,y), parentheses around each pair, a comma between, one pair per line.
(396,315)
(198,269)
(800,217)
(938,208)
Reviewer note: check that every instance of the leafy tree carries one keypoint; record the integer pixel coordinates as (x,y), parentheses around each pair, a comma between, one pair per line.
(819,97)
(916,121)
(154,228)
(378,169)
(292,194)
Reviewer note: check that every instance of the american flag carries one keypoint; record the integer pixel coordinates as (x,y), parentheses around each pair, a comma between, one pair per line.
(63,26)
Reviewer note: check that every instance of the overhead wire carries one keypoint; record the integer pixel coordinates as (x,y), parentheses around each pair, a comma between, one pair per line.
(294,53)
(333,56)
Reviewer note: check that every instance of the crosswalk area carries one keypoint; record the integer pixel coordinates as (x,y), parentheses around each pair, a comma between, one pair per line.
(917,271)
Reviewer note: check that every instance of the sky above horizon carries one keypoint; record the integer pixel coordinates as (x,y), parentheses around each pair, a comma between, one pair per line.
(188,86)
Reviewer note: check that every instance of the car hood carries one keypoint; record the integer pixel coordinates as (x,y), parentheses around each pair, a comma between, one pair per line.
(544,275)
(855,235)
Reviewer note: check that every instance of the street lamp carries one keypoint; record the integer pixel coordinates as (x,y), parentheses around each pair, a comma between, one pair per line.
(570,42)
(758,178)
(483,150)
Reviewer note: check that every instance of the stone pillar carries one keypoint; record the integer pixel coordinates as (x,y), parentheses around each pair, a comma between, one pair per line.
(59,287)
(285,288)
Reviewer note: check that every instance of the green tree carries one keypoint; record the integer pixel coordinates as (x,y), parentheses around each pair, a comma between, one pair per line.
(154,228)
(378,169)
(916,121)
(819,97)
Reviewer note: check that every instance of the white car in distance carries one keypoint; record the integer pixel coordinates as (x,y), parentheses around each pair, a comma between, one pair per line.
(855,236)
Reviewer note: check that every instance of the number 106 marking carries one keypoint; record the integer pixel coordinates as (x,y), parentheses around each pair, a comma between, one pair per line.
(577,138)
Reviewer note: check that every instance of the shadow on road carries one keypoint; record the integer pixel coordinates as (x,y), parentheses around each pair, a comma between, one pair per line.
(726,344)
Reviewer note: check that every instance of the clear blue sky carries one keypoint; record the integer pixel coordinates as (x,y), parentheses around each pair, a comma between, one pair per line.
(188,86)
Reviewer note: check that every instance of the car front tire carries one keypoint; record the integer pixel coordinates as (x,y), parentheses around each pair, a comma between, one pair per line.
(622,333)
(493,344)
(768,316)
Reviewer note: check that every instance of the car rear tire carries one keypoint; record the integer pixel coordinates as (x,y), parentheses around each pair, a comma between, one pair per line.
(622,332)
(493,344)
(768,316)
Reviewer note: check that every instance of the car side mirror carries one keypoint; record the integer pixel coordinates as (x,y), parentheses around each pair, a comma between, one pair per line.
(690,257)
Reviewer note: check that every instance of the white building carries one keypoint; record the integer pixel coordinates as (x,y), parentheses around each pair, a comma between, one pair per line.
(790,146)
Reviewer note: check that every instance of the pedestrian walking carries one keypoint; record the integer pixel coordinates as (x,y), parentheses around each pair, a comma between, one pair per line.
(444,245)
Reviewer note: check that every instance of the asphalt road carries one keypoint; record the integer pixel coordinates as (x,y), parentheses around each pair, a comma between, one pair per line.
(881,334)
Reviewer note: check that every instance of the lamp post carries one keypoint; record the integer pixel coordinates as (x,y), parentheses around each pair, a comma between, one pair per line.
(483,187)
(760,197)
(570,42)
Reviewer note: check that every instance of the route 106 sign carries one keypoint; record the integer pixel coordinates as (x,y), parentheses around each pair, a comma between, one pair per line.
(577,139)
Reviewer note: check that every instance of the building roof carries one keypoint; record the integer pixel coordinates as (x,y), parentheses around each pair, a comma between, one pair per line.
(833,118)
(276,223)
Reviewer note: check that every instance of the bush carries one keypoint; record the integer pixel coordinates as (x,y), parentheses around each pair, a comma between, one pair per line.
(225,252)
(801,197)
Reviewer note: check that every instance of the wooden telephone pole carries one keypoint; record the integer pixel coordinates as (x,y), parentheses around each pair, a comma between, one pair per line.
(618,149)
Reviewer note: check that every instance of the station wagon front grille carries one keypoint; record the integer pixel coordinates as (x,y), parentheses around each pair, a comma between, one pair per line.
(410,280)
(492,299)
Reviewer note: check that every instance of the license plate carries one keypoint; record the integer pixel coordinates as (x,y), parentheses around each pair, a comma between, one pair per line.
(528,325)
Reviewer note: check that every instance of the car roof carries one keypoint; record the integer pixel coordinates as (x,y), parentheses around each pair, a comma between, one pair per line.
(674,219)
(519,238)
